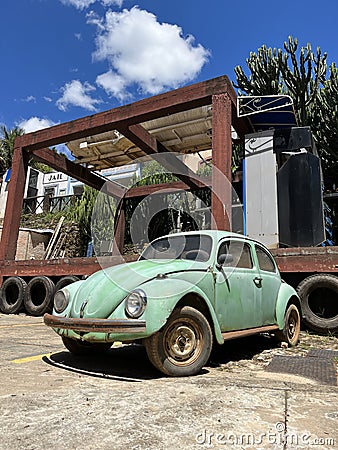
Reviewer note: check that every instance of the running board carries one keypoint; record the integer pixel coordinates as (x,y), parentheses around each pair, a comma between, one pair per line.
(248,332)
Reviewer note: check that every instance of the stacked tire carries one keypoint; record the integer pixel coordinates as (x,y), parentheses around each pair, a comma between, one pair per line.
(35,297)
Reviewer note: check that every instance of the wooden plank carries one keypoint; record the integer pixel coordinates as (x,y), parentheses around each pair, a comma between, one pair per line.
(54,237)
(172,102)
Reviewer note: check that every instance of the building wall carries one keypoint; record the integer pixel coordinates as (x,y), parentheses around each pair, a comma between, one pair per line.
(31,244)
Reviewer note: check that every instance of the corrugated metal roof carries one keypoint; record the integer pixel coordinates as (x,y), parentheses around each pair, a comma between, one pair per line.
(184,132)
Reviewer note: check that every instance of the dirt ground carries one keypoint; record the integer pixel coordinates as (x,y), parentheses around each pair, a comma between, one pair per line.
(52,400)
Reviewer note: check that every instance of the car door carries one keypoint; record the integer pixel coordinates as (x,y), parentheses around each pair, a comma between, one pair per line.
(237,291)
(270,284)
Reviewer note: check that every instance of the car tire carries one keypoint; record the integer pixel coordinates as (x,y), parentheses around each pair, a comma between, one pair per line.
(183,346)
(319,301)
(77,347)
(39,296)
(65,281)
(291,329)
(12,295)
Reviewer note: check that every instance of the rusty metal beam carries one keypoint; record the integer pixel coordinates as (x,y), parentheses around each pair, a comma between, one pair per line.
(59,267)
(183,99)
(119,228)
(143,191)
(307,259)
(10,231)
(248,332)
(221,196)
(62,164)
(150,145)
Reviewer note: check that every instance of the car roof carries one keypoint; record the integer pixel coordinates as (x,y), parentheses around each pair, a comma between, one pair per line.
(215,234)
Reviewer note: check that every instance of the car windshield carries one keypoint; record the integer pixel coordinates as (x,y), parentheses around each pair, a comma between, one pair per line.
(196,247)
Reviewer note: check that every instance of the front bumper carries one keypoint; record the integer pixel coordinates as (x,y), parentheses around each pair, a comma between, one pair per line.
(96,325)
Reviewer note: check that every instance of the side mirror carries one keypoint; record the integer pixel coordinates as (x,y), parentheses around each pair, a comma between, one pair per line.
(223,259)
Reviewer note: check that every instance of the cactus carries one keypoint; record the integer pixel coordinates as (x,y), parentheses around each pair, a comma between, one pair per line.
(274,71)
(325,123)
(265,77)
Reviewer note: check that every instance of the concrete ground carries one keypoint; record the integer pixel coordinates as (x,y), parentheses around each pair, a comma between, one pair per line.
(52,400)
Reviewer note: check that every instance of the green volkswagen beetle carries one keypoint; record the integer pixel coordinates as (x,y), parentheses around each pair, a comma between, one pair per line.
(186,291)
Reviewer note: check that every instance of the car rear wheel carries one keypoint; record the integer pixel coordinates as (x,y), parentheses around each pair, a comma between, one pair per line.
(291,330)
(183,346)
(78,347)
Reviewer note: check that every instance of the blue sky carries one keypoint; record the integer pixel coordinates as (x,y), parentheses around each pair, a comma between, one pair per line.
(64,59)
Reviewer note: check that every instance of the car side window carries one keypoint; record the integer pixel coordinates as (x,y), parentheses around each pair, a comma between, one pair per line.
(240,252)
(265,261)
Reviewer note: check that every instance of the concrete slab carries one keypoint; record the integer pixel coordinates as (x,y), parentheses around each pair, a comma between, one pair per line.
(119,401)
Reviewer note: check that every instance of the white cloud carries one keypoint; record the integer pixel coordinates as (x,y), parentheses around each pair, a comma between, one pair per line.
(113,84)
(35,124)
(140,50)
(83,4)
(76,93)
(48,99)
(29,98)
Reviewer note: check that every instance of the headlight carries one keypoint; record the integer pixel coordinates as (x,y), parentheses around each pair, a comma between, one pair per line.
(61,300)
(136,303)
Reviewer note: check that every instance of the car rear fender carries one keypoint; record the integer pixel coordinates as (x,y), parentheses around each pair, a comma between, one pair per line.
(286,295)
(164,295)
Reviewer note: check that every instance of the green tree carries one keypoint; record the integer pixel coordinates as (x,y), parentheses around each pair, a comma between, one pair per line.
(7,138)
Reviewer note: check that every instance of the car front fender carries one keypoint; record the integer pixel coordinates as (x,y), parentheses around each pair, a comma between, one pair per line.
(285,294)
(162,297)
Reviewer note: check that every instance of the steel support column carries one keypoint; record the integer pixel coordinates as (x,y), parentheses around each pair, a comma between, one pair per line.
(221,196)
(10,231)
(119,228)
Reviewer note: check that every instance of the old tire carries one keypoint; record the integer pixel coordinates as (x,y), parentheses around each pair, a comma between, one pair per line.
(12,295)
(39,296)
(78,347)
(65,281)
(291,329)
(183,346)
(319,301)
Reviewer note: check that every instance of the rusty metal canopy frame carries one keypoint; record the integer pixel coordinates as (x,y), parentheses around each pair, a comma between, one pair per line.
(150,126)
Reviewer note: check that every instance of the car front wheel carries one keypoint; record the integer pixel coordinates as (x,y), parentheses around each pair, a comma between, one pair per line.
(291,330)
(183,346)
(78,347)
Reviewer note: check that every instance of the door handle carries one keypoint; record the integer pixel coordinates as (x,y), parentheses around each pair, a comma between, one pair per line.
(258,281)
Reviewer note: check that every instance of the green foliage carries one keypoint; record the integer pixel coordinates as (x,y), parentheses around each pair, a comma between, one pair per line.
(81,212)
(265,73)
(7,138)
(302,74)
(325,123)
(41,167)
(154,173)
(298,72)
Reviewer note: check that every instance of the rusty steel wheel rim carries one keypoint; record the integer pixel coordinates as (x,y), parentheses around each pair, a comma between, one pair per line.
(293,326)
(183,342)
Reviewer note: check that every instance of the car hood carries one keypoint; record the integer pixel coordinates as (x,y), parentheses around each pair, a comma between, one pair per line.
(102,292)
